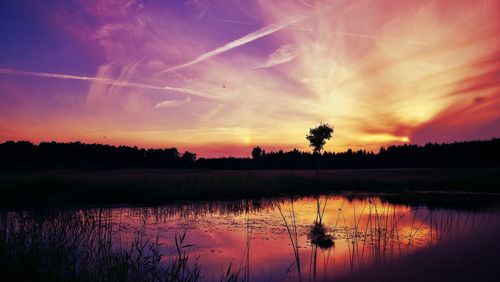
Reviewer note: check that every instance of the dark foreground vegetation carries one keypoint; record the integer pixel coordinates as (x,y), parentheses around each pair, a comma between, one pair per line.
(77,245)
(23,155)
(473,258)
(54,244)
(155,186)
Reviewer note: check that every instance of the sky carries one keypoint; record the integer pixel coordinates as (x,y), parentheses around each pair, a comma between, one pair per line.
(220,77)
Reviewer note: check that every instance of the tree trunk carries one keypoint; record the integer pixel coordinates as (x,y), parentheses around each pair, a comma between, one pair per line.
(317,162)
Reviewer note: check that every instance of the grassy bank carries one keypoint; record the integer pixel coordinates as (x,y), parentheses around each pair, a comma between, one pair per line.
(140,186)
(77,245)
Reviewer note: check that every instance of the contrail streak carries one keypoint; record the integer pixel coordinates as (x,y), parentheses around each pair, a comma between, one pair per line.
(108,81)
(267,30)
(349,34)
(172,103)
(362,35)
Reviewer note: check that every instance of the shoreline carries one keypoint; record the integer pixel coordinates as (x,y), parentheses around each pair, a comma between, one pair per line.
(160,186)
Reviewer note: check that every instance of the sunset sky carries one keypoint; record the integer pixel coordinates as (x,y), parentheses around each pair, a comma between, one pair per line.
(219,77)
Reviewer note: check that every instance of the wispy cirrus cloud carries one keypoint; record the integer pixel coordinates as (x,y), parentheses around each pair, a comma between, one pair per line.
(282,55)
(265,31)
(172,103)
(383,72)
(101,80)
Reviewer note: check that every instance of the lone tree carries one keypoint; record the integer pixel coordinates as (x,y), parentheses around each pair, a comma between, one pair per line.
(317,138)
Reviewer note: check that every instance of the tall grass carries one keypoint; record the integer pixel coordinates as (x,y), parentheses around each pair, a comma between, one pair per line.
(49,188)
(381,234)
(84,245)
(292,233)
(77,246)
(318,234)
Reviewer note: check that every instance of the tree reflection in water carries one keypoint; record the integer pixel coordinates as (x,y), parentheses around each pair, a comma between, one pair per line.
(223,239)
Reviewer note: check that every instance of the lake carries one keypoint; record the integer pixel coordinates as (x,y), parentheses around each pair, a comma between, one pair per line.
(281,239)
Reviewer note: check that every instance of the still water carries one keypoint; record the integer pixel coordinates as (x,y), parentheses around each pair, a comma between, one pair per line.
(274,240)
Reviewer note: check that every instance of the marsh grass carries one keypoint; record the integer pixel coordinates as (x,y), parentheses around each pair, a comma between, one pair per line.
(318,234)
(380,236)
(375,233)
(77,246)
(291,228)
(152,187)
(82,245)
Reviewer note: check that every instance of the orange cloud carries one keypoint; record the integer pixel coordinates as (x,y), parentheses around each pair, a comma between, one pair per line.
(381,72)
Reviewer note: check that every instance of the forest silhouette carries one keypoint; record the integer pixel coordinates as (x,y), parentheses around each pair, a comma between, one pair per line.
(24,155)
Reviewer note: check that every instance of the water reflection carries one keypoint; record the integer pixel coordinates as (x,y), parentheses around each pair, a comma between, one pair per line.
(310,238)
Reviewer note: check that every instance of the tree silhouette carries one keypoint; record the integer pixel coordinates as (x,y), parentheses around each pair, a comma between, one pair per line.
(317,139)
(318,135)
(23,155)
(257,153)
(188,157)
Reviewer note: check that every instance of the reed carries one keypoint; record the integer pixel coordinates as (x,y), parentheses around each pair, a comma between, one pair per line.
(77,246)
(152,187)
(291,229)
(84,245)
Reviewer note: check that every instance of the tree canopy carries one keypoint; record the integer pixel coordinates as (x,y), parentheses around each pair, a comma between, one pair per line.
(318,135)
(257,153)
(23,155)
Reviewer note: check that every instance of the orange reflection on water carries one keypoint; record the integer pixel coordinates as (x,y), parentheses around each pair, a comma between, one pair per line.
(255,240)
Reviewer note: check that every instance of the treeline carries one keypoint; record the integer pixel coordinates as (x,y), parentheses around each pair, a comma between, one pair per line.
(458,154)
(23,155)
